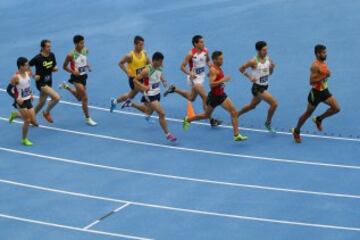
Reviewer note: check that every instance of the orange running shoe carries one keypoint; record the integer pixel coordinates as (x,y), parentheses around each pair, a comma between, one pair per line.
(48,117)
(296,135)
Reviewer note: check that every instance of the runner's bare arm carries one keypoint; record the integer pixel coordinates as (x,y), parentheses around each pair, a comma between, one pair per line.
(66,67)
(184,63)
(137,80)
(249,64)
(126,59)
(272,66)
(163,80)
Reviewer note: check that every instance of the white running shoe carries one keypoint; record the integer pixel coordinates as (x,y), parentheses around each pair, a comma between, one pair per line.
(63,85)
(90,122)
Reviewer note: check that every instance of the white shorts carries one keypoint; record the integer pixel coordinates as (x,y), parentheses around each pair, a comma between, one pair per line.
(198,80)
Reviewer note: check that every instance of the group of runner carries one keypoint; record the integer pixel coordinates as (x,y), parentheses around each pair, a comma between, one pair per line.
(145,77)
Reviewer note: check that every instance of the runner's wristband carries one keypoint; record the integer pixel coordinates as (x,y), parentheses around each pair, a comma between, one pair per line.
(9,90)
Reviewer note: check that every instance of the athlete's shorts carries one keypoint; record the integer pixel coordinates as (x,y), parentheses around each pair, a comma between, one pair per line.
(215,100)
(256,89)
(44,81)
(78,79)
(198,80)
(131,83)
(26,104)
(151,98)
(315,96)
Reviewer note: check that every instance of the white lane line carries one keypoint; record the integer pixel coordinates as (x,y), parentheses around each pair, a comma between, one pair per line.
(122,207)
(71,227)
(106,216)
(185,149)
(186,210)
(206,124)
(180,178)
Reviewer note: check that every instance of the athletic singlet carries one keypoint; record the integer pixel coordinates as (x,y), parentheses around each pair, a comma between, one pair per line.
(219,89)
(23,88)
(262,71)
(198,63)
(153,80)
(324,70)
(79,61)
(137,64)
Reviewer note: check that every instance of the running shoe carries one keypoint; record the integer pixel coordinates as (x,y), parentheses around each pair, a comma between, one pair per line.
(269,128)
(13,115)
(26,142)
(48,117)
(171,137)
(113,103)
(296,135)
(170,89)
(317,123)
(215,122)
(89,121)
(240,137)
(126,104)
(186,124)
(64,85)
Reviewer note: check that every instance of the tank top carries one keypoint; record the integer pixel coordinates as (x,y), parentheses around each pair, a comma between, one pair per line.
(23,88)
(219,89)
(262,71)
(197,63)
(324,70)
(80,62)
(153,80)
(137,63)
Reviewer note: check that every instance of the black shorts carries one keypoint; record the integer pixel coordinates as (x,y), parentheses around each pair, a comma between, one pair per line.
(131,83)
(256,89)
(151,98)
(26,104)
(315,96)
(78,79)
(43,81)
(215,100)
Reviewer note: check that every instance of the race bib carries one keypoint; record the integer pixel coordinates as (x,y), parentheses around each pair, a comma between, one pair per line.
(47,78)
(82,69)
(264,79)
(26,92)
(199,70)
(155,85)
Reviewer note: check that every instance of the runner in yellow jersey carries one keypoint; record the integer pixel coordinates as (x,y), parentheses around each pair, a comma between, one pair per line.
(132,64)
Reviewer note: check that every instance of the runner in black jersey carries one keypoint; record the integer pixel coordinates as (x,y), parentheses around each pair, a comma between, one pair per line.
(45,65)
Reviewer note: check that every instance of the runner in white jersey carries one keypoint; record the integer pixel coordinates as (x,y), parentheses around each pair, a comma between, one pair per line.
(198,61)
(19,89)
(148,82)
(262,67)
(76,63)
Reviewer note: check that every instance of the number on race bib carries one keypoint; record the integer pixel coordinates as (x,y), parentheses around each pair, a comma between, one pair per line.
(82,69)
(264,79)
(199,70)
(155,85)
(25,92)
(47,78)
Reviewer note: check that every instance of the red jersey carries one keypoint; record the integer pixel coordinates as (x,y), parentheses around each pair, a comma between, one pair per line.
(219,89)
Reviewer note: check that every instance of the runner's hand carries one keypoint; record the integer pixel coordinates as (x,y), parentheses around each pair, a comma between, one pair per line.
(192,76)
